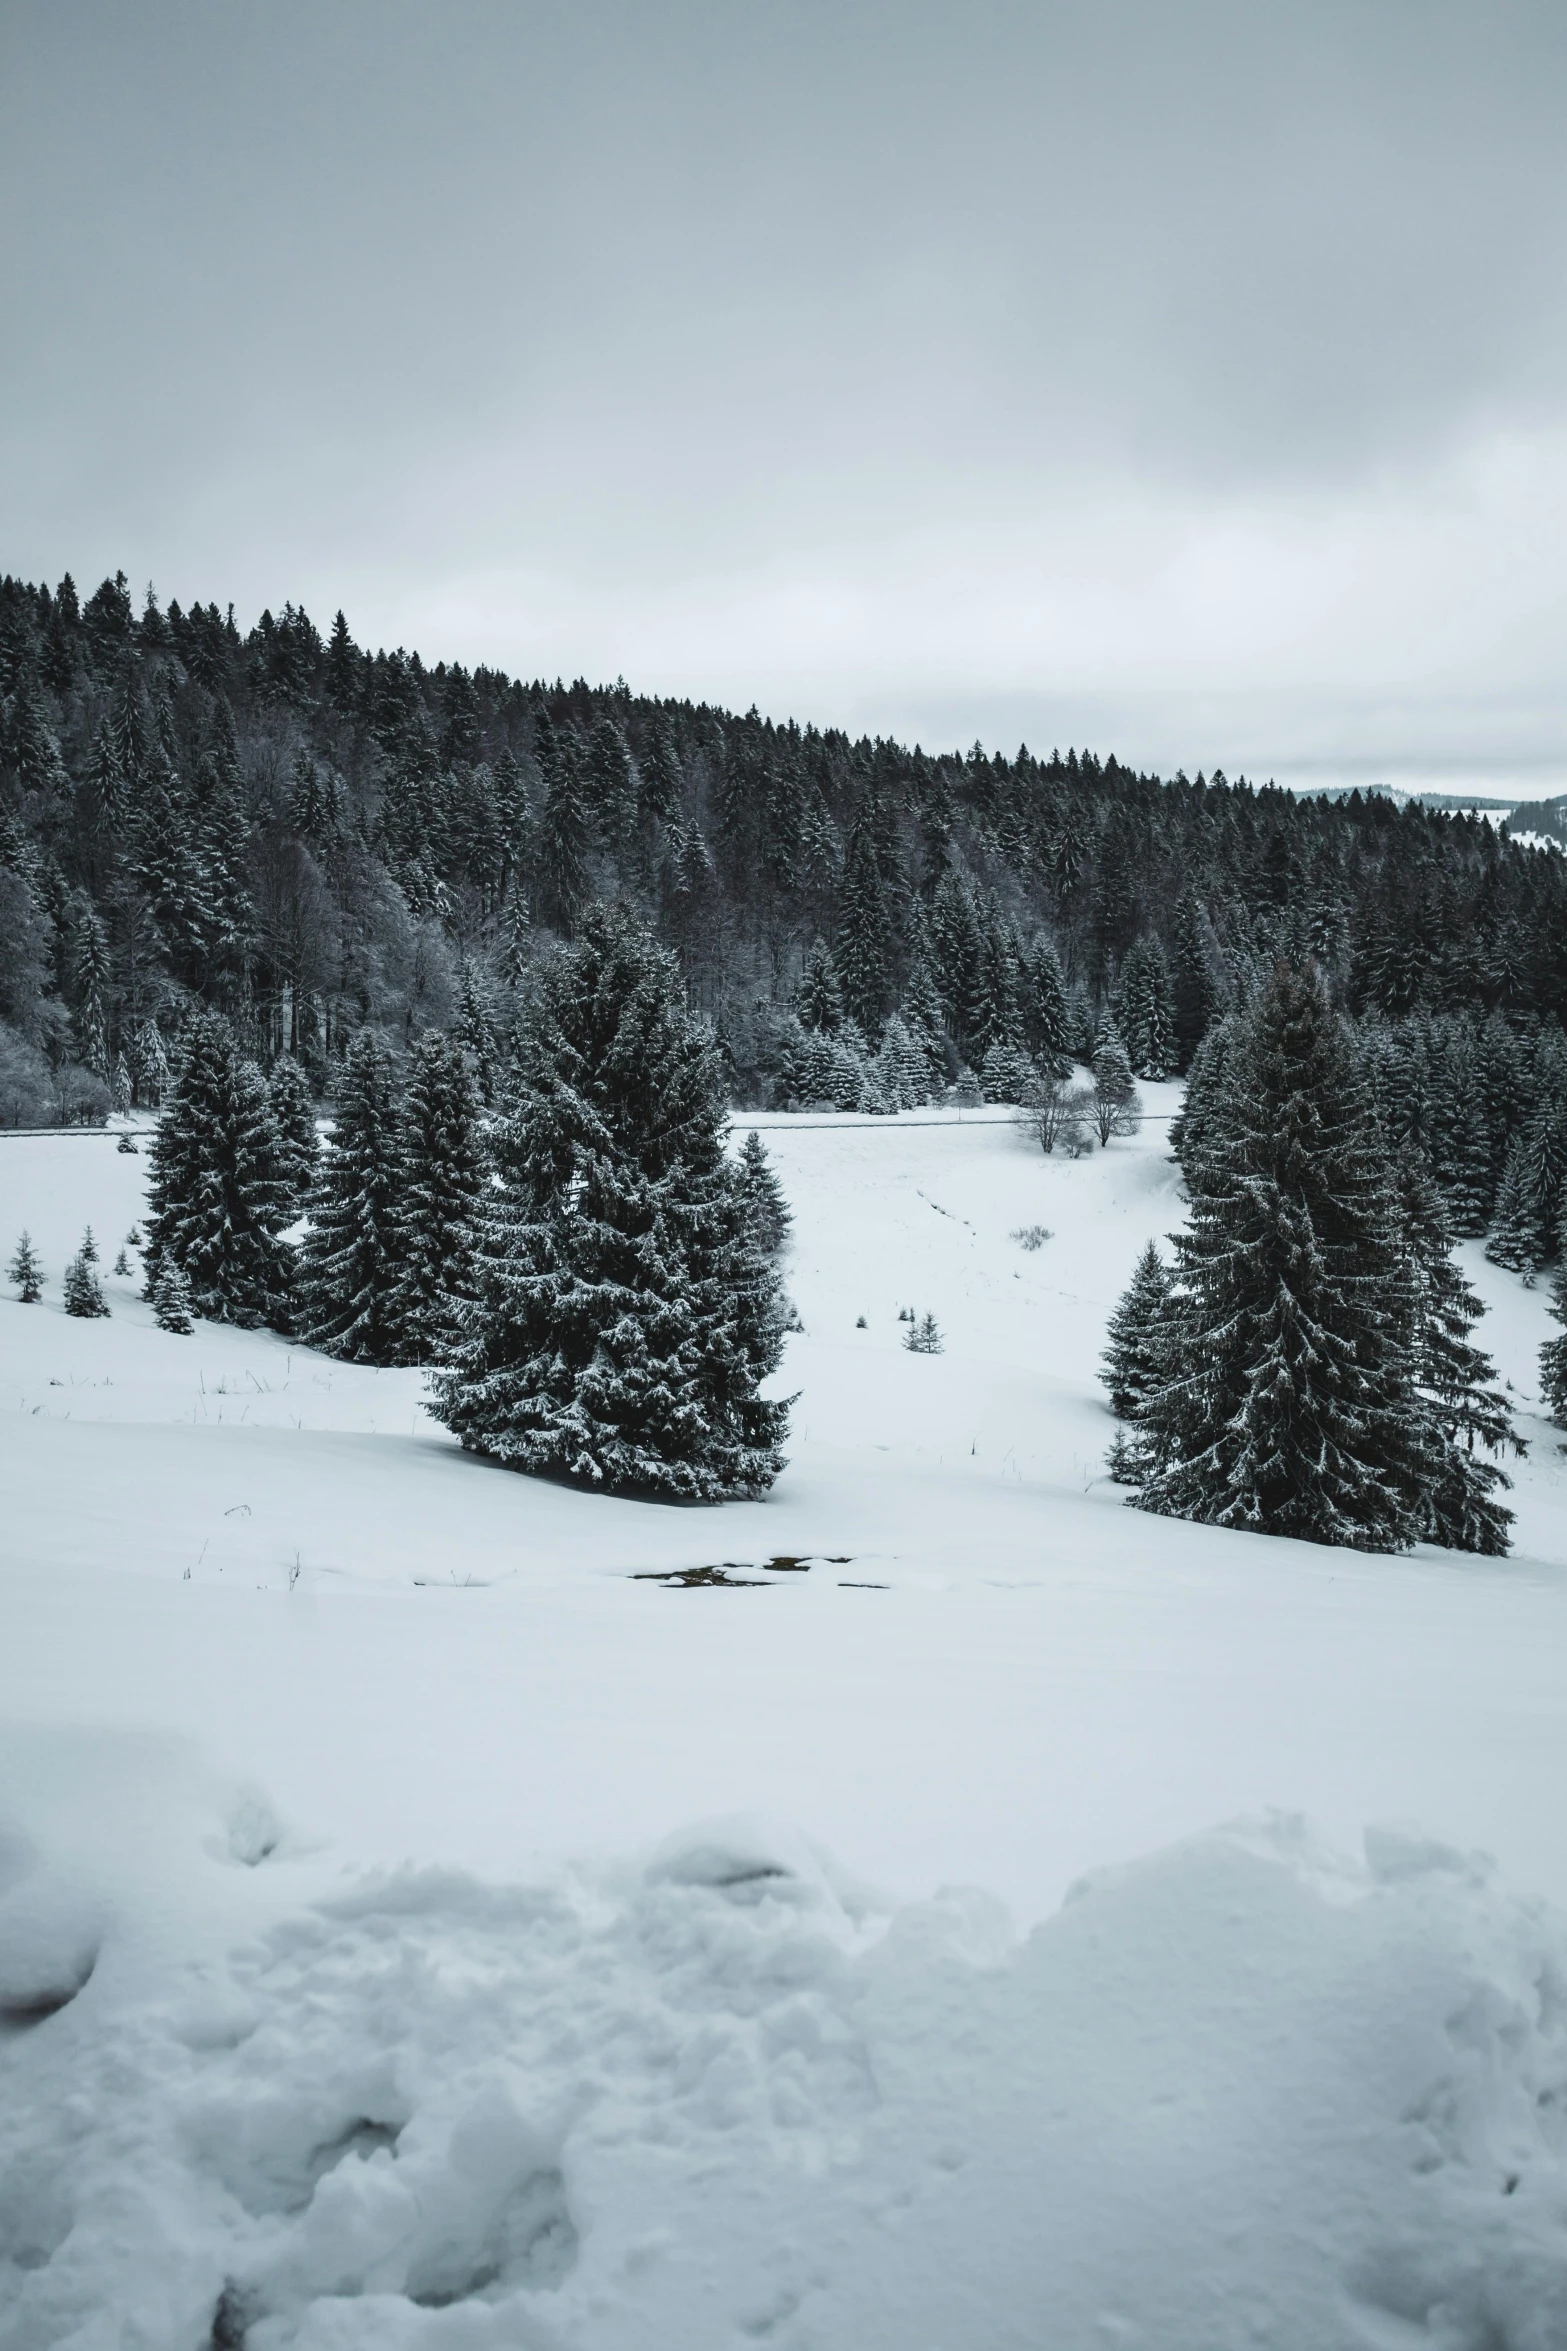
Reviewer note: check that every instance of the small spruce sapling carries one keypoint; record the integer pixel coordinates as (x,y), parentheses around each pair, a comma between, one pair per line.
(82,1289)
(26,1271)
(122,1264)
(171,1302)
(924,1337)
(763,1196)
(89,1248)
(126,1146)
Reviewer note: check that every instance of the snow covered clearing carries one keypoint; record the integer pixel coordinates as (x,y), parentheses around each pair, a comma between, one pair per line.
(361,1980)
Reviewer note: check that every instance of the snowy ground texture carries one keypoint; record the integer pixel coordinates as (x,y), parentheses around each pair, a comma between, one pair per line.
(359,1984)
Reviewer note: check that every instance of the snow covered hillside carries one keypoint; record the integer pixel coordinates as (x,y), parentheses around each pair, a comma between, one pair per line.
(354,1781)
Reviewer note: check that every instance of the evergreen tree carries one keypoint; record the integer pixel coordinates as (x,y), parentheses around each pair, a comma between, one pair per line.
(443,1178)
(924,1337)
(218,1198)
(89,1248)
(1144,1010)
(1045,1020)
(1117,1105)
(1455,1381)
(564,839)
(294,1111)
(82,1290)
(819,999)
(476,1034)
(1529,1200)
(350,1268)
(626,1316)
(863,951)
(171,1302)
(763,1194)
(26,1272)
(1287,1399)
(1134,1354)
(153,1075)
(1553,1355)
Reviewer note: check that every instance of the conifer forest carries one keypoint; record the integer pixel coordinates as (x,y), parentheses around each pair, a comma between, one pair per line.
(557,933)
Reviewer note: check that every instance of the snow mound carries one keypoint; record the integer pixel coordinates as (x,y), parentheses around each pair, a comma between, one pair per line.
(1246,2092)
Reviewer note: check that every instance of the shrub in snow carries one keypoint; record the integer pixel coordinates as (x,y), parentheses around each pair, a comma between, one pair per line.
(25,1271)
(1032,1236)
(625,1316)
(122,1264)
(218,1198)
(82,1290)
(126,1146)
(965,1092)
(1060,1115)
(924,1337)
(171,1306)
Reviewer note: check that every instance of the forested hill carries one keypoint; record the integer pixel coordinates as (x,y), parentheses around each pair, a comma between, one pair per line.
(314,837)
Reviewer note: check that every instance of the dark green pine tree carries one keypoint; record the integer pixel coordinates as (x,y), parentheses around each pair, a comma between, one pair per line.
(1133,1357)
(1194,997)
(1044,1006)
(1553,1355)
(1196,1120)
(819,999)
(1144,1010)
(1470,1186)
(564,880)
(1456,1381)
(299,1147)
(350,1267)
(218,1198)
(477,1033)
(863,951)
(626,1316)
(611,787)
(443,1175)
(1529,1199)
(763,1195)
(1288,1403)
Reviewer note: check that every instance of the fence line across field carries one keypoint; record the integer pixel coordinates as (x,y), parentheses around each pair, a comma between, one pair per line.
(778,1121)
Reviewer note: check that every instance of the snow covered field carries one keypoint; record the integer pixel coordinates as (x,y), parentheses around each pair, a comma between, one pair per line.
(467,1965)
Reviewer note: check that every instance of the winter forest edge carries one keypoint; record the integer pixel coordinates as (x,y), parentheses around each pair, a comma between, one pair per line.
(532,944)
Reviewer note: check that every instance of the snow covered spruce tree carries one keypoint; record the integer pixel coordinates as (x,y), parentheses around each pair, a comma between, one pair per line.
(299,1149)
(626,1316)
(1287,1401)
(1134,1353)
(442,1180)
(1456,1382)
(1553,1355)
(171,1307)
(26,1272)
(350,1267)
(218,1198)
(82,1290)
(763,1194)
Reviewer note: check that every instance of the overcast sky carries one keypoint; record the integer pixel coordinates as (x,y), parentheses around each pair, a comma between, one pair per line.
(1190,381)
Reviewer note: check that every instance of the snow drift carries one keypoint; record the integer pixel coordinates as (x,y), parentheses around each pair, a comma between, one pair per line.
(1242,2093)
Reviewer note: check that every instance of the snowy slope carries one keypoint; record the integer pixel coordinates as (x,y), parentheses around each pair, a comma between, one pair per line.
(261,1624)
